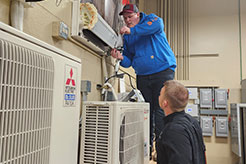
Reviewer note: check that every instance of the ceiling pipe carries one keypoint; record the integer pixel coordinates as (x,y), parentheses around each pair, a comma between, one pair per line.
(240,37)
(17,14)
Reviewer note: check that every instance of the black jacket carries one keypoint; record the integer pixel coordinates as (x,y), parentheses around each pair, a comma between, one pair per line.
(180,141)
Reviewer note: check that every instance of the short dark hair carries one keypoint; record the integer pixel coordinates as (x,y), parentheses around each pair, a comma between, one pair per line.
(176,94)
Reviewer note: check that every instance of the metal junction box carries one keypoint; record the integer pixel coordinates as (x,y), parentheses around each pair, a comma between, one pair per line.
(207,126)
(220,98)
(206,98)
(193,93)
(221,126)
(192,110)
(243,92)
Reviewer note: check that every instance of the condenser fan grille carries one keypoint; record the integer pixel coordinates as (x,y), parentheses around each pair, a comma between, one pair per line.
(131,140)
(96,134)
(26,93)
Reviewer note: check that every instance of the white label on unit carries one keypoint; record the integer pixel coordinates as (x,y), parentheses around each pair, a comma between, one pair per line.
(70,86)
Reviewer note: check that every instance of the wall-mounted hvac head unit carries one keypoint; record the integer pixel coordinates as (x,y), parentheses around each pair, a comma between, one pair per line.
(89,28)
(115,133)
(39,101)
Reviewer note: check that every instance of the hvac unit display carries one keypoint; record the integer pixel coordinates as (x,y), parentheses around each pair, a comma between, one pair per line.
(39,101)
(115,133)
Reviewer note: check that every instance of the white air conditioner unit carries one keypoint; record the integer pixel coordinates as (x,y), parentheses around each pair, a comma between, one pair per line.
(97,38)
(115,133)
(39,101)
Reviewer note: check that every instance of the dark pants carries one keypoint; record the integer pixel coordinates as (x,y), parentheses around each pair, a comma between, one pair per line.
(150,86)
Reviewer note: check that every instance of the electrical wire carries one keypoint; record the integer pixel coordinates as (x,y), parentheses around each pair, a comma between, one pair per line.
(121,76)
(130,79)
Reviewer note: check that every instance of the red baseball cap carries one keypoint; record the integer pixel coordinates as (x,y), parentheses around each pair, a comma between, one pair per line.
(129,8)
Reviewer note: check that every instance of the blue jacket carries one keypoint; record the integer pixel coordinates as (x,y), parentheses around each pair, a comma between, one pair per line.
(146,49)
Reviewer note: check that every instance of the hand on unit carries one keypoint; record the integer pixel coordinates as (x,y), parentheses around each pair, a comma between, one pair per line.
(125,30)
(116,54)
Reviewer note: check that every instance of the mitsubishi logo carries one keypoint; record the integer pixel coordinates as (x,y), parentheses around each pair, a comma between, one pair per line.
(70,79)
(124,2)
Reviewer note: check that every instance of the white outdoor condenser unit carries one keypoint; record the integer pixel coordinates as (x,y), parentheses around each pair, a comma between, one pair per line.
(39,101)
(115,133)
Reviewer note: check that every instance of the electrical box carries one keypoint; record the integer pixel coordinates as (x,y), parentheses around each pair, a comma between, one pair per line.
(243,91)
(220,98)
(59,30)
(206,98)
(85,86)
(193,93)
(192,110)
(221,126)
(207,126)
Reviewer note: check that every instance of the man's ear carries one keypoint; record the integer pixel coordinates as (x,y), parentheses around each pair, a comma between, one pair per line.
(165,103)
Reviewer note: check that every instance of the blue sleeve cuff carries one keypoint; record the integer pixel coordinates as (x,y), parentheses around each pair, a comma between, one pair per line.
(133,31)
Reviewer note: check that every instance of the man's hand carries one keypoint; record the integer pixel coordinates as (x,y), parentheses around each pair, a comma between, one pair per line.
(116,54)
(125,30)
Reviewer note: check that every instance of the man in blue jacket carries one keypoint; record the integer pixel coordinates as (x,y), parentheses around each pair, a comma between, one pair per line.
(147,50)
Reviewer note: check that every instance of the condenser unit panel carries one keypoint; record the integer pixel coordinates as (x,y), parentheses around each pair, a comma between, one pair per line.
(221,126)
(115,133)
(39,101)
(192,110)
(207,126)
(220,98)
(193,93)
(206,98)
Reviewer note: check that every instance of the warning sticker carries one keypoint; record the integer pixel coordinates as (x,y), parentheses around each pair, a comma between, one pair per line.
(70,86)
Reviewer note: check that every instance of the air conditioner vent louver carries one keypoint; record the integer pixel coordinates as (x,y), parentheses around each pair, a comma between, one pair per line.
(96,134)
(26,94)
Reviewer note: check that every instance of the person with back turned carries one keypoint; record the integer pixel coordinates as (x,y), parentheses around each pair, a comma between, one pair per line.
(181,140)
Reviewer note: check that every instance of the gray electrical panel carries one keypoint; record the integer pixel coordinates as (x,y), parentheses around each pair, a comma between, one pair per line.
(192,109)
(220,98)
(206,125)
(206,98)
(221,127)
(243,92)
(193,93)
(236,129)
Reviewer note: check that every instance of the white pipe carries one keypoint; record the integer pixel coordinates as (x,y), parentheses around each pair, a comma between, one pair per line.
(104,68)
(17,14)
(108,85)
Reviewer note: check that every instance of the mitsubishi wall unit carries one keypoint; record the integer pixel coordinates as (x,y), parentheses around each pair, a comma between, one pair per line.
(91,29)
(115,133)
(39,101)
